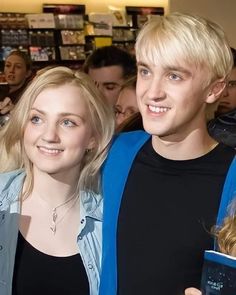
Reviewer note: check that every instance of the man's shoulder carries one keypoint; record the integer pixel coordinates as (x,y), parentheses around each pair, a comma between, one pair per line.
(124,148)
(131,139)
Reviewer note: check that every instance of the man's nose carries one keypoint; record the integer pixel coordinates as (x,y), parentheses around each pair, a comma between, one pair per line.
(225,91)
(156,89)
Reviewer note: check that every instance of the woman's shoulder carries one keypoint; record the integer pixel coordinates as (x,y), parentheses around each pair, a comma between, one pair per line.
(91,204)
(10,181)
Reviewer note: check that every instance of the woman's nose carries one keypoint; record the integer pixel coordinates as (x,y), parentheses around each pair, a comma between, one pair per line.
(50,133)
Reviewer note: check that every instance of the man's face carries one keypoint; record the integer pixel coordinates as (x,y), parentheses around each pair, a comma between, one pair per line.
(109,80)
(172,100)
(228,97)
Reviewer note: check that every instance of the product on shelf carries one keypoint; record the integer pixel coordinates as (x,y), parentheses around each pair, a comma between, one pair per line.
(42,53)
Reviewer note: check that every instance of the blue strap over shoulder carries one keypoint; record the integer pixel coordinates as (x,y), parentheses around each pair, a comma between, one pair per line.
(114,175)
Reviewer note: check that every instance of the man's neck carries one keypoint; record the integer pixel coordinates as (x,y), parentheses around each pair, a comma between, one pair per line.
(185,149)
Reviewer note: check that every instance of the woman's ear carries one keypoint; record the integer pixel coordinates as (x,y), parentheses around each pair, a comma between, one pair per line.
(215,90)
(28,74)
(92,143)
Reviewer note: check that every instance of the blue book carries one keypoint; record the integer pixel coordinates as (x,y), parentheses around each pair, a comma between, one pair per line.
(218,274)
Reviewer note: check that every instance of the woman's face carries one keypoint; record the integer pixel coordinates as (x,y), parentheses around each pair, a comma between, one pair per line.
(58,131)
(15,71)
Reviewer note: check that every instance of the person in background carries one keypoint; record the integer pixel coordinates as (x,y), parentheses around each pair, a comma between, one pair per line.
(162,188)
(134,122)
(227,102)
(126,104)
(223,126)
(50,202)
(17,71)
(109,67)
(225,237)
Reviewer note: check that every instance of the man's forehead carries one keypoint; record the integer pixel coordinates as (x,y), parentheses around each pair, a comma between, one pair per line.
(116,70)
(232,75)
(111,74)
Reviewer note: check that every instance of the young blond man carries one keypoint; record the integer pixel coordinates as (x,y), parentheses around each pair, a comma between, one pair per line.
(162,188)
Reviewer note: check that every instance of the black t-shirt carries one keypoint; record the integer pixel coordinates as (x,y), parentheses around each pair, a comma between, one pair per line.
(167,211)
(36,273)
(15,95)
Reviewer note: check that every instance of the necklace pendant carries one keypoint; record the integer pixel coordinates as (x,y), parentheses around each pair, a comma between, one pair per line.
(54,215)
(53,228)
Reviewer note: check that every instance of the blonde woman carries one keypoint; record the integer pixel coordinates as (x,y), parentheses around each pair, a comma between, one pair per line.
(50,206)
(226,239)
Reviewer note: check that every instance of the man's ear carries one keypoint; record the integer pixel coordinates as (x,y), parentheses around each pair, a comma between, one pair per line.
(215,90)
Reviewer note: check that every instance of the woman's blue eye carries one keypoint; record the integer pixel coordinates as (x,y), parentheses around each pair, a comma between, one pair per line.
(68,123)
(35,120)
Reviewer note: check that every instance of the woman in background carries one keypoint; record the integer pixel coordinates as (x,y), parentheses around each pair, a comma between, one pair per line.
(126,105)
(17,72)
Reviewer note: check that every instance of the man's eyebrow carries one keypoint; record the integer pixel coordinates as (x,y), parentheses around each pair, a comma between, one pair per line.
(140,63)
(178,69)
(168,68)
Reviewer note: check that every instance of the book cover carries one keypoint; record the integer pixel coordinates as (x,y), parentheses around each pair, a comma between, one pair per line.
(218,274)
(102,23)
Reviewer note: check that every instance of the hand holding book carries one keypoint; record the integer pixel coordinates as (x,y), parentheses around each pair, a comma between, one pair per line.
(219,274)
(219,269)
(192,291)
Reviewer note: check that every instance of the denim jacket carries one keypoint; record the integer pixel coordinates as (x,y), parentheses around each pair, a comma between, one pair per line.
(89,235)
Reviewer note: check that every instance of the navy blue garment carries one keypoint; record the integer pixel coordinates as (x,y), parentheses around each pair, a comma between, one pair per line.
(223,128)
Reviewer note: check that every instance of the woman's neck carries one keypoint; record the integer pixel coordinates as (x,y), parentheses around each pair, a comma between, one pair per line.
(52,189)
(13,88)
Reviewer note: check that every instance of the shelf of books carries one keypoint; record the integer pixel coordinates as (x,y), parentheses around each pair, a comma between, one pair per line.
(65,34)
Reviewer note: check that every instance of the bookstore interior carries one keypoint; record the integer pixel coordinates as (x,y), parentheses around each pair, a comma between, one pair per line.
(64,34)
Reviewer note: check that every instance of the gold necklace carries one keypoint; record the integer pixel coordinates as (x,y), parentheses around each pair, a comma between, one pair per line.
(55,220)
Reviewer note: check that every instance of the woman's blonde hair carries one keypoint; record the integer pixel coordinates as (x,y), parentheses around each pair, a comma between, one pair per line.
(100,115)
(226,234)
(177,37)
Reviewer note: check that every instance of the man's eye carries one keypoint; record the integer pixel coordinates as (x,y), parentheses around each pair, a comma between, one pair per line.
(112,87)
(143,72)
(231,84)
(174,77)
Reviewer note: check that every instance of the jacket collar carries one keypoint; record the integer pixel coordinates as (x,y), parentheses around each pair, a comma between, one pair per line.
(10,188)
(11,184)
(91,205)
